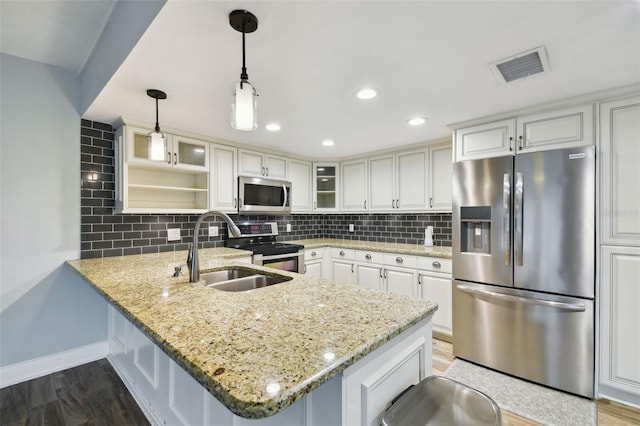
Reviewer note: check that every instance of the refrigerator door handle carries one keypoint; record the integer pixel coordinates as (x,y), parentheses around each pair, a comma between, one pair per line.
(506,217)
(573,307)
(518,217)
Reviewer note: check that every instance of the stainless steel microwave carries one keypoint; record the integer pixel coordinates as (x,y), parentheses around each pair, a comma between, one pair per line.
(258,195)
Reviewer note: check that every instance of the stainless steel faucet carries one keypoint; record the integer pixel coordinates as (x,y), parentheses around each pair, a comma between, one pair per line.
(192,257)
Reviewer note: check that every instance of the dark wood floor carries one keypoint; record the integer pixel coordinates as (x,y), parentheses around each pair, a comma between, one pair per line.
(90,394)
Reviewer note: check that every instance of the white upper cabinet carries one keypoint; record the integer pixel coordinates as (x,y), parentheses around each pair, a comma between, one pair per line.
(223,178)
(620,171)
(181,152)
(300,175)
(398,181)
(440,177)
(354,185)
(325,187)
(252,163)
(535,132)
(382,183)
(486,140)
(558,129)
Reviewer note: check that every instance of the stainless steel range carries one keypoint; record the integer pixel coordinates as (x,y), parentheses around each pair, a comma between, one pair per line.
(260,238)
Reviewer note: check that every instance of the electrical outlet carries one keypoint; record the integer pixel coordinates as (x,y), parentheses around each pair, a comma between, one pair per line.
(213,231)
(173,234)
(288,227)
(351,228)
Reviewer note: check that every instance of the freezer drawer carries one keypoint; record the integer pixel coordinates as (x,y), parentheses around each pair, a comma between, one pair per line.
(543,338)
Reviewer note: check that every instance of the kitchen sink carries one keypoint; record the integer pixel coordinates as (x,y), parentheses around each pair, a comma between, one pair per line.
(240,279)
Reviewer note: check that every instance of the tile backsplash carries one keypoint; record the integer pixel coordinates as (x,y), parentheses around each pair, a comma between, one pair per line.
(105,233)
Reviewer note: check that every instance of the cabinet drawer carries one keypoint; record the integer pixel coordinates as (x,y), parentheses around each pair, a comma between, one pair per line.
(403,260)
(310,254)
(435,264)
(369,257)
(340,253)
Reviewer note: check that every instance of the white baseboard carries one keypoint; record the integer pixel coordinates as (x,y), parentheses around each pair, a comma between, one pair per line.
(38,367)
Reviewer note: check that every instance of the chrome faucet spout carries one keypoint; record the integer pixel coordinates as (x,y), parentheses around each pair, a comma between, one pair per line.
(194,267)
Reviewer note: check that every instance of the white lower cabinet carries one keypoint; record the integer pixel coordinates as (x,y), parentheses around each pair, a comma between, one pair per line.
(369,276)
(168,395)
(619,372)
(437,288)
(401,281)
(342,271)
(314,263)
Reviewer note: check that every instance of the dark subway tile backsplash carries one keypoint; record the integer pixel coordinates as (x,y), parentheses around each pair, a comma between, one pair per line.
(104,233)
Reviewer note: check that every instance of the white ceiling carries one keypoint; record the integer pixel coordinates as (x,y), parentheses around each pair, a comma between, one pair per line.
(308,58)
(61,33)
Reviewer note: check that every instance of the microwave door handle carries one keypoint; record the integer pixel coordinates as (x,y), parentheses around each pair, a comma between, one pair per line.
(506,217)
(518,218)
(286,196)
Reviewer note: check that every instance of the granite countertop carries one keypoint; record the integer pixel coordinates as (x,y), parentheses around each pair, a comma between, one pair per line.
(413,249)
(259,351)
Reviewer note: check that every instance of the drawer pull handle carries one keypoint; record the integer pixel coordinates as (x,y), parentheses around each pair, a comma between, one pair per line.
(368,256)
(436,264)
(399,259)
(341,253)
(313,253)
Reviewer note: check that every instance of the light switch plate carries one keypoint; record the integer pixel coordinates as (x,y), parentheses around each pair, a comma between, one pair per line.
(288,227)
(213,231)
(173,234)
(351,228)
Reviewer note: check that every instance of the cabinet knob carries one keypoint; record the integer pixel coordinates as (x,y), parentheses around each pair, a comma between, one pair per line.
(341,253)
(368,256)
(436,264)
(313,253)
(399,259)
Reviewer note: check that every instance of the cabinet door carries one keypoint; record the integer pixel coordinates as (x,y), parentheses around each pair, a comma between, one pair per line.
(557,129)
(440,177)
(411,181)
(382,193)
(224,179)
(620,160)
(619,319)
(369,276)
(276,167)
(401,281)
(137,146)
(341,271)
(301,184)
(437,288)
(189,154)
(313,269)
(250,163)
(354,185)
(487,140)
(325,185)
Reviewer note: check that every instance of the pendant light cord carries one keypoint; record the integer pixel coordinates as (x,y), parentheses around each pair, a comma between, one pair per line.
(243,76)
(157,122)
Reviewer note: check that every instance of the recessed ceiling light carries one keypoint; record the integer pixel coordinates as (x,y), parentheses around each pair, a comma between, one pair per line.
(328,142)
(366,94)
(272,127)
(417,121)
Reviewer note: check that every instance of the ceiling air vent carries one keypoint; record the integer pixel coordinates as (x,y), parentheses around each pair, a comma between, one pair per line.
(522,65)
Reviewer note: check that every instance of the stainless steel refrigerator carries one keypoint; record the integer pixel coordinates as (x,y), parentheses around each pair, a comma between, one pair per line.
(524,266)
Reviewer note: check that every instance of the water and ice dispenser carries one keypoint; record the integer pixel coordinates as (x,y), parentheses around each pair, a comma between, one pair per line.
(475,226)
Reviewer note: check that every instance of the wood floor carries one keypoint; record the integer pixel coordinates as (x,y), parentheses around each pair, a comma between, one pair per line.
(93,394)
(609,413)
(90,394)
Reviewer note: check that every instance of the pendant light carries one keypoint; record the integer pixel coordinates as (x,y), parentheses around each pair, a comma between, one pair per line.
(157,139)
(244,110)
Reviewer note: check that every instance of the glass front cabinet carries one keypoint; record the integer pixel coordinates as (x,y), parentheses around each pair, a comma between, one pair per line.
(325,184)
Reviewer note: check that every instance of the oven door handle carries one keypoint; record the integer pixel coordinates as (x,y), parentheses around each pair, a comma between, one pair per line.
(278,256)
